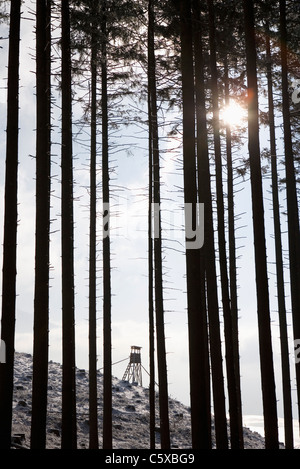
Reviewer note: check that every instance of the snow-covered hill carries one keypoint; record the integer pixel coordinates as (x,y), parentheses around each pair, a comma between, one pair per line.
(130,412)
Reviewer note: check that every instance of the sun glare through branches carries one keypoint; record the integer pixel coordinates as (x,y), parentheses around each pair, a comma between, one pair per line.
(233,114)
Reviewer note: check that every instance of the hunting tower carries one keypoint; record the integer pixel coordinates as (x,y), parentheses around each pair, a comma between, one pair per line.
(133,372)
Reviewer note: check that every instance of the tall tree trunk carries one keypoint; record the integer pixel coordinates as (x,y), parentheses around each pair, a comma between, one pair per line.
(232,268)
(291,192)
(93,407)
(197,327)
(41,300)
(201,147)
(236,430)
(150,226)
(262,288)
(151,307)
(107,383)
(69,432)
(208,250)
(9,269)
(158,288)
(285,365)
(231,217)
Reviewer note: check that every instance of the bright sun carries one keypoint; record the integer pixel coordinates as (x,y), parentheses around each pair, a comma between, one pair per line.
(233,114)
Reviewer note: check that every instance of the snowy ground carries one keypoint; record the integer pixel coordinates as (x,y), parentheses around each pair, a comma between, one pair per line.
(130,412)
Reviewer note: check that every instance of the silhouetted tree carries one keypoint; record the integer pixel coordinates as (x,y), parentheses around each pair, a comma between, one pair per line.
(232,256)
(41,300)
(107,377)
(158,281)
(93,406)
(196,304)
(208,250)
(69,430)
(291,190)
(150,241)
(10,228)
(262,288)
(231,366)
(285,365)
(203,420)
(151,302)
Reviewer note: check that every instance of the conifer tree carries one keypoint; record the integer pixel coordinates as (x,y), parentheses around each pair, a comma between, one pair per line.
(262,288)
(158,282)
(196,315)
(93,407)
(41,302)
(232,258)
(231,366)
(107,378)
(69,430)
(150,243)
(285,365)
(10,228)
(204,402)
(151,302)
(291,189)
(208,249)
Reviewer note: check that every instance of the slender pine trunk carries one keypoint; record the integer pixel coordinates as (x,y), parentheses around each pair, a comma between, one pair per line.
(69,431)
(291,193)
(107,378)
(197,327)
(41,297)
(151,307)
(236,434)
(262,288)
(233,269)
(204,418)
(158,281)
(9,269)
(231,219)
(205,196)
(151,59)
(285,365)
(93,407)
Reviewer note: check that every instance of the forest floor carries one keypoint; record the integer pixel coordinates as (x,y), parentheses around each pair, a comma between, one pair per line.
(130,412)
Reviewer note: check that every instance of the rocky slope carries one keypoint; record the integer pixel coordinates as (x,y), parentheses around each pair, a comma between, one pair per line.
(130,412)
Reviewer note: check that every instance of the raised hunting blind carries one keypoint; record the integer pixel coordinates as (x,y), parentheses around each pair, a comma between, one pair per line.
(133,372)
